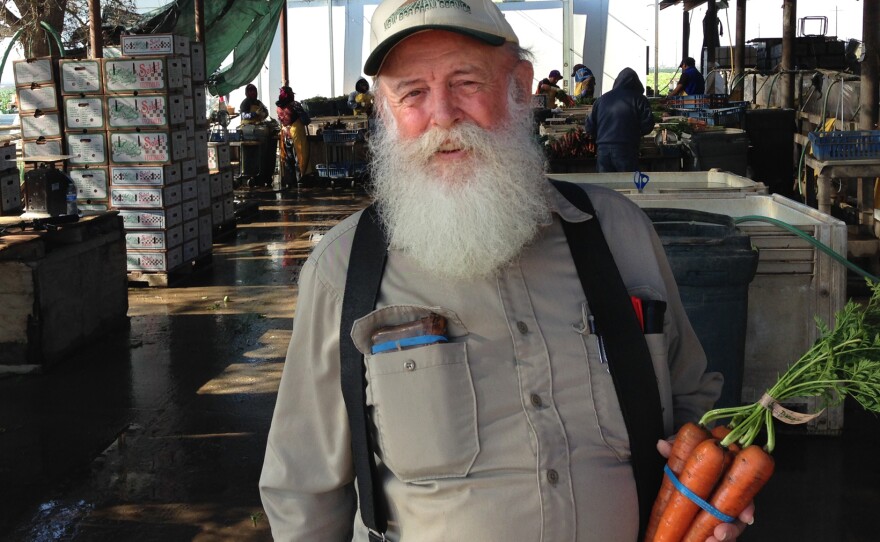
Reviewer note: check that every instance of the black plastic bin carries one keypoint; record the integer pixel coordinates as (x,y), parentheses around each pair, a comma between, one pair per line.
(713,264)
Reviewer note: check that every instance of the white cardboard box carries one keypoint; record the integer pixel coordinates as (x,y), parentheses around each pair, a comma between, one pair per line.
(144,198)
(91,183)
(191,229)
(33,71)
(145,175)
(154,239)
(204,191)
(218,155)
(87,149)
(84,113)
(10,193)
(150,219)
(81,76)
(167,260)
(147,147)
(154,44)
(8,156)
(206,234)
(141,75)
(189,210)
(40,124)
(37,97)
(145,111)
(41,146)
(197,62)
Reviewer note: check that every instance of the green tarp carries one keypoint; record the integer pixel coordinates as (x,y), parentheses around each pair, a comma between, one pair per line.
(245,28)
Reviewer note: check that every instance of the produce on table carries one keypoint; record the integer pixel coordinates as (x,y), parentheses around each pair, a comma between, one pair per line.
(844,362)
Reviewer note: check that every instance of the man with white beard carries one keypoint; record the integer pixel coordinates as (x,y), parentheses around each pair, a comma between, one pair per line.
(506,426)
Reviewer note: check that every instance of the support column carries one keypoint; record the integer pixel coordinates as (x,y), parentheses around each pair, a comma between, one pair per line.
(96,34)
(739,52)
(789,21)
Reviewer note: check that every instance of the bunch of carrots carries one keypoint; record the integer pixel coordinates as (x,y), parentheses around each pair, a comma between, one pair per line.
(724,467)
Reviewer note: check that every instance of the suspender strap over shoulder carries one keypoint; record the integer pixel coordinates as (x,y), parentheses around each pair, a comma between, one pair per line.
(365,268)
(629,359)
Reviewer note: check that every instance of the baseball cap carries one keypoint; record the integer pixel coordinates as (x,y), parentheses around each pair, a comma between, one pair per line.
(555,73)
(576,68)
(395,20)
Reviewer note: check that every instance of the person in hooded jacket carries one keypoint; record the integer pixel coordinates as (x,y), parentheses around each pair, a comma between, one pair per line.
(617,123)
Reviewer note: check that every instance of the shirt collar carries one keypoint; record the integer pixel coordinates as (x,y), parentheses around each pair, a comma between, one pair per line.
(564,208)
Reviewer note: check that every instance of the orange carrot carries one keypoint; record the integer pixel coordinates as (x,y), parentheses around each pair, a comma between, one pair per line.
(687,438)
(721,431)
(750,470)
(700,475)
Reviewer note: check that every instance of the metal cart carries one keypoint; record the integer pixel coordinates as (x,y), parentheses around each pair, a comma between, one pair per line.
(343,156)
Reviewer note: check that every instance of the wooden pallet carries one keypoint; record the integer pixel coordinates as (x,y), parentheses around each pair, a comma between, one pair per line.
(164,279)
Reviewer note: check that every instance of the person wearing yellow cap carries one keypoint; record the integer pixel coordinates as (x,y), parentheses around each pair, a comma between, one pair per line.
(445,379)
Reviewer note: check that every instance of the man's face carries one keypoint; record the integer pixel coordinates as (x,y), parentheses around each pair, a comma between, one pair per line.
(283,116)
(439,79)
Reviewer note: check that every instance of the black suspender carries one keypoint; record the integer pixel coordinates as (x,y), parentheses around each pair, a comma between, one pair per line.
(609,301)
(628,357)
(365,267)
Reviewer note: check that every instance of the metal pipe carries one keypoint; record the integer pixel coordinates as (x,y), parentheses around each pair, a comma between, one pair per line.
(285,74)
(199,15)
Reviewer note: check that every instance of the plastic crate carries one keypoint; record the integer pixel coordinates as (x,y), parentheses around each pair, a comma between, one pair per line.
(694,101)
(725,116)
(331,171)
(846,145)
(342,136)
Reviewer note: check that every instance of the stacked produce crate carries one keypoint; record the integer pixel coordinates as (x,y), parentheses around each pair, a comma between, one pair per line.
(221,185)
(39,108)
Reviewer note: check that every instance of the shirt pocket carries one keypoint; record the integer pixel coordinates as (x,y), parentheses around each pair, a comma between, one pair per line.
(425,412)
(609,418)
(422,400)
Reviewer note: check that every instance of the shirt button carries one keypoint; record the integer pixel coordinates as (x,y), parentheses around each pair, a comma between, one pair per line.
(410,365)
(522,327)
(552,477)
(536,400)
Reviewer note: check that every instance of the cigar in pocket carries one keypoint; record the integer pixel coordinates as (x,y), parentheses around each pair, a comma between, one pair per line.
(428,330)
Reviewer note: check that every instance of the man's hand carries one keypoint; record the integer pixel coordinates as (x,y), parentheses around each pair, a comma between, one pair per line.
(725,532)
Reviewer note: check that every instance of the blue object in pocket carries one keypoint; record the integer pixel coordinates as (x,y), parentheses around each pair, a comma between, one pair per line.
(407,342)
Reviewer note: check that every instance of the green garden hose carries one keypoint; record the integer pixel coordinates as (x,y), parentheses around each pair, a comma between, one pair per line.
(810,239)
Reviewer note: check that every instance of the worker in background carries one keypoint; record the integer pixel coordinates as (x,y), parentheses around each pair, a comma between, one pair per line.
(360,101)
(549,87)
(617,123)
(691,81)
(584,82)
(293,143)
(252,110)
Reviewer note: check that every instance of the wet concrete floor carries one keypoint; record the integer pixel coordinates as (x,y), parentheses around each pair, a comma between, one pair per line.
(157,432)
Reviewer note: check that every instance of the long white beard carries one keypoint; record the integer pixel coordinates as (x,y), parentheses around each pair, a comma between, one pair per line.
(466,221)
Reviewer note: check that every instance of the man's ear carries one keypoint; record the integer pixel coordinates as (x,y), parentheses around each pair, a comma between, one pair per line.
(523,75)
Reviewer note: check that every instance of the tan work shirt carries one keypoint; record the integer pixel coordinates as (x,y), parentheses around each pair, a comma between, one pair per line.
(511,430)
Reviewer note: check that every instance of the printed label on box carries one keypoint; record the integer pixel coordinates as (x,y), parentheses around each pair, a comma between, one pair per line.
(91,183)
(154,44)
(86,113)
(150,219)
(81,76)
(123,198)
(87,148)
(33,70)
(144,111)
(154,239)
(145,175)
(37,97)
(141,74)
(140,147)
(154,261)
(40,125)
